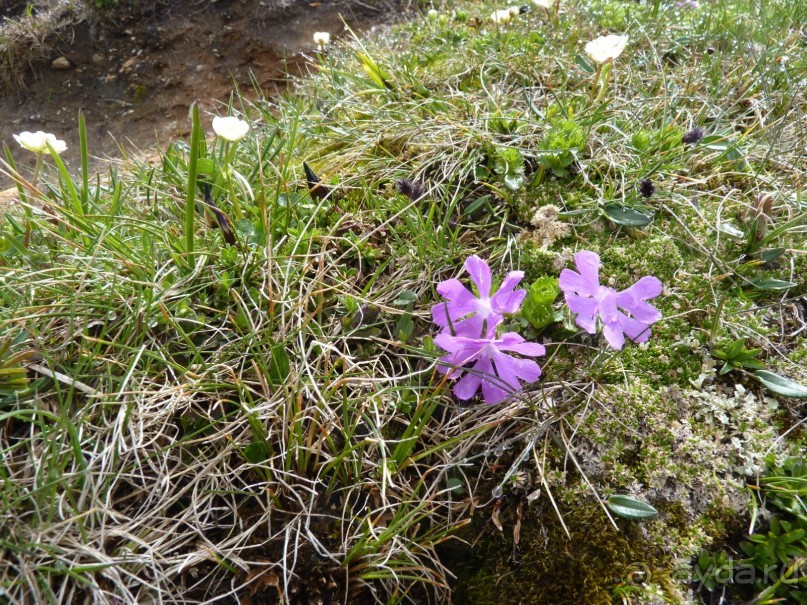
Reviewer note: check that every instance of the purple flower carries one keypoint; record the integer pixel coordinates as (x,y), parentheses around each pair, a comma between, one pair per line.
(588,299)
(497,372)
(477,317)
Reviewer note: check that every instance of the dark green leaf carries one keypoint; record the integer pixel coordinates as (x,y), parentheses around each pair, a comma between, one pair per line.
(630,508)
(781,385)
(278,365)
(751,236)
(763,283)
(733,153)
(584,64)
(752,364)
(734,349)
(405,298)
(475,205)
(256,453)
(770,255)
(727,367)
(454,484)
(627,217)
(405,328)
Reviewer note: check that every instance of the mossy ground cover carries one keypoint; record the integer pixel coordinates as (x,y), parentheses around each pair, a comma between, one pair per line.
(243,405)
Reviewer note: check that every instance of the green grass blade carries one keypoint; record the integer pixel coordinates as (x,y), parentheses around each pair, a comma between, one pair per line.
(190,199)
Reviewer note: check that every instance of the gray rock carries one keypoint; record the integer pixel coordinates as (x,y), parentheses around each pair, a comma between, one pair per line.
(61,63)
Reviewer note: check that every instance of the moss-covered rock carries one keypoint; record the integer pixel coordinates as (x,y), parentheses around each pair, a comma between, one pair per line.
(686,451)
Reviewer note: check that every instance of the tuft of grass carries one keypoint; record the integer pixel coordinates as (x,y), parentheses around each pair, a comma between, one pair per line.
(29,37)
(31,31)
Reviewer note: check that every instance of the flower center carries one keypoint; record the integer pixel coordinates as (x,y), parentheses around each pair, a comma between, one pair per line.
(484,307)
(602,292)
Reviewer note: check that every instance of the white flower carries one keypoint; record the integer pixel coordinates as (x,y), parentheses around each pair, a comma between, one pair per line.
(230,128)
(38,141)
(322,38)
(432,14)
(514,11)
(500,17)
(542,3)
(606,48)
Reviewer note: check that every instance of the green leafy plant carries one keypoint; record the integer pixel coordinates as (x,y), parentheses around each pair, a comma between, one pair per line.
(734,355)
(561,146)
(630,508)
(714,569)
(405,326)
(508,164)
(781,385)
(780,554)
(503,123)
(537,307)
(775,560)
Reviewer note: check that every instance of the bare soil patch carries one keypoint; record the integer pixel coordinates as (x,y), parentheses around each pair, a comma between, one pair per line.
(135,80)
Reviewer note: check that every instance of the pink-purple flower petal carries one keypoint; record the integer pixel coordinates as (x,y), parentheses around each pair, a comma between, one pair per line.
(461,348)
(571,281)
(467,386)
(493,394)
(465,314)
(511,341)
(507,299)
(633,299)
(480,274)
(461,302)
(453,290)
(498,373)
(587,282)
(622,314)
(586,310)
(614,335)
(511,369)
(634,329)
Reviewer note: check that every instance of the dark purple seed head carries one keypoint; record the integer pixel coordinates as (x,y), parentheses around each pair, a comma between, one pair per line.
(647,188)
(693,136)
(411,189)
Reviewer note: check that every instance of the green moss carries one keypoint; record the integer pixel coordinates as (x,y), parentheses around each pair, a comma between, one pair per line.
(665,446)
(537,262)
(550,567)
(671,356)
(628,261)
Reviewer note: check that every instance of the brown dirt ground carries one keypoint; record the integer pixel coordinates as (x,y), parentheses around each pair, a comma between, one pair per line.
(136,80)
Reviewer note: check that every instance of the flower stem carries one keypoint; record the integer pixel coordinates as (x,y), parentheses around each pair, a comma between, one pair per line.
(37,169)
(601,78)
(605,77)
(595,82)
(229,156)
